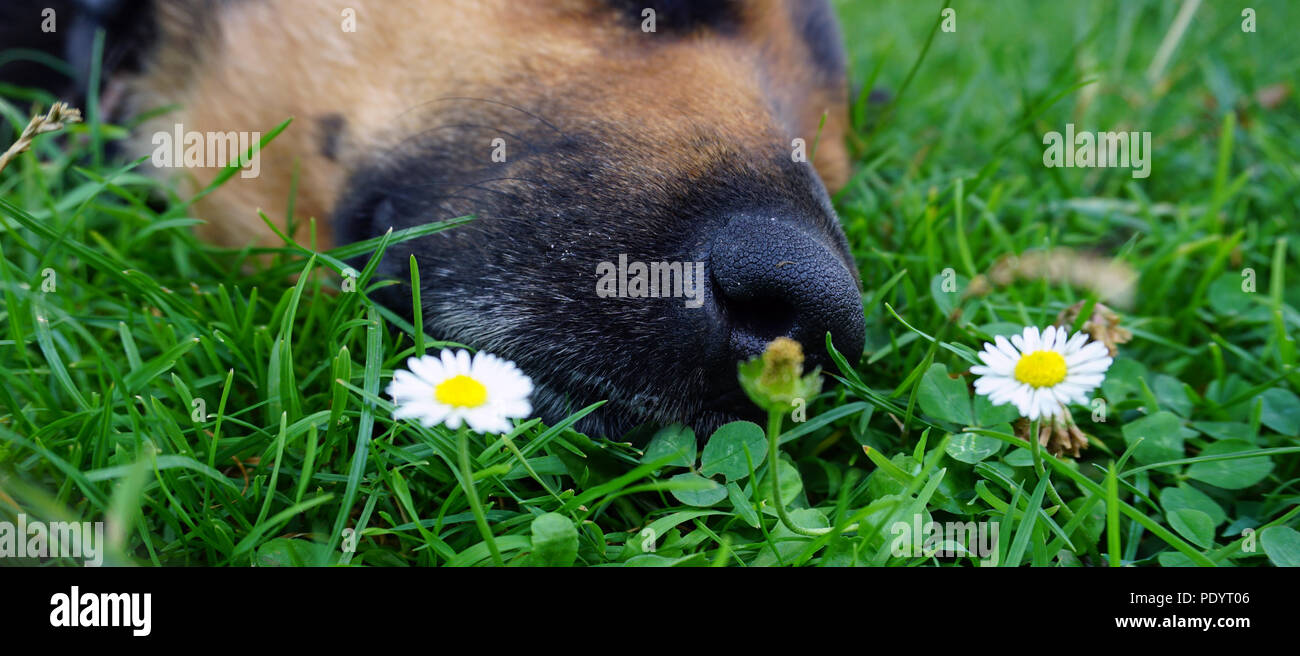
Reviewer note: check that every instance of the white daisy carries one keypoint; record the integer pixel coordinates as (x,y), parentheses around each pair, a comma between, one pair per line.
(484,392)
(1041,374)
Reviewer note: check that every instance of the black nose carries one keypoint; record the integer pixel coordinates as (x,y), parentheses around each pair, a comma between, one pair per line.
(775,278)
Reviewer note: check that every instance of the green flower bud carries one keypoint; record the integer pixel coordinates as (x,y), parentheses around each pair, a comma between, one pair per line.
(775,379)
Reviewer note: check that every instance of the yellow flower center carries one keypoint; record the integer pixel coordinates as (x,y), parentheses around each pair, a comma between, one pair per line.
(461,391)
(1041,369)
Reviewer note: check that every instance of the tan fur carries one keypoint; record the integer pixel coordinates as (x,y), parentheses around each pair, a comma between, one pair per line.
(274,59)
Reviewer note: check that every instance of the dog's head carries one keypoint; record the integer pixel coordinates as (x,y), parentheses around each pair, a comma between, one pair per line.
(649,177)
(584,143)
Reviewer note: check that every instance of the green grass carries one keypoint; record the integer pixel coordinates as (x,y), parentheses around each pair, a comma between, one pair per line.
(218,408)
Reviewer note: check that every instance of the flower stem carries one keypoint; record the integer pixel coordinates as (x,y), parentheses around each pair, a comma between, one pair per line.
(1038,468)
(1033,447)
(774,416)
(480,518)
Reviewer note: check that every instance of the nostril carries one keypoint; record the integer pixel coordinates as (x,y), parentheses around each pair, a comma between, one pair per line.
(773,278)
(763,319)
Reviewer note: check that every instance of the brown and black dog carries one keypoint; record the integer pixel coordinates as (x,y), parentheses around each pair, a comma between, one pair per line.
(671,144)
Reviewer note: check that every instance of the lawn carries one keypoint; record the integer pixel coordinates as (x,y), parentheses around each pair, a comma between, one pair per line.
(218,407)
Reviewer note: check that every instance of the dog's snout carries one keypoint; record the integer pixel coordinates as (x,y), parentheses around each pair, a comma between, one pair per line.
(774,278)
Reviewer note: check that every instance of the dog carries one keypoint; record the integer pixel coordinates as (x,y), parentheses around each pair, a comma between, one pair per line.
(577,133)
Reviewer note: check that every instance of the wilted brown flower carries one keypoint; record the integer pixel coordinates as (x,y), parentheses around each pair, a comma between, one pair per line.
(1059,435)
(1102,325)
